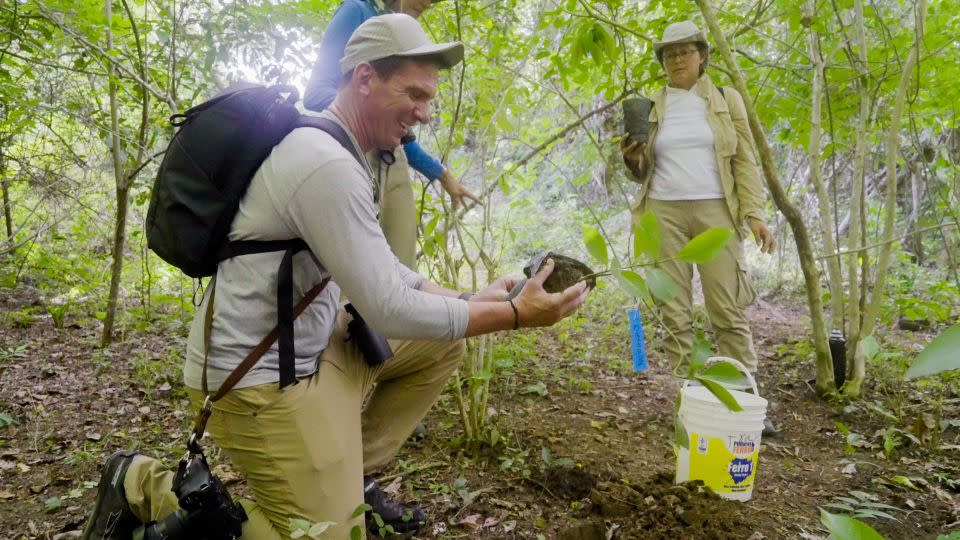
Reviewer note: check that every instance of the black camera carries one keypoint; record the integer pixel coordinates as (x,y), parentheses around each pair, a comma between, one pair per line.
(374,347)
(206,510)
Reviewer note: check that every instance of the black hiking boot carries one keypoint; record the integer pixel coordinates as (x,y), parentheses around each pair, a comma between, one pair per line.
(401,518)
(769,430)
(111,518)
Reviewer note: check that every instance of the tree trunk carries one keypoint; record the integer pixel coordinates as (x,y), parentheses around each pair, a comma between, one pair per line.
(855,239)
(800,234)
(872,311)
(7,212)
(826,216)
(915,243)
(122,191)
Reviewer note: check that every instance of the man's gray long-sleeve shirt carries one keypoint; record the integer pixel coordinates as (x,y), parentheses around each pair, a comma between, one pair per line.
(310,187)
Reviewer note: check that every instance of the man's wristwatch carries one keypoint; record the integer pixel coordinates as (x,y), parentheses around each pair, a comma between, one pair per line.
(466,295)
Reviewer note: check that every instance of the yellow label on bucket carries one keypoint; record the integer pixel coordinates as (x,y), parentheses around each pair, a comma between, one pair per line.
(725,466)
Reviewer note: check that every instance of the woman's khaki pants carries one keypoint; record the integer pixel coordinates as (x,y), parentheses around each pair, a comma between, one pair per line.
(726,287)
(304,450)
(398,210)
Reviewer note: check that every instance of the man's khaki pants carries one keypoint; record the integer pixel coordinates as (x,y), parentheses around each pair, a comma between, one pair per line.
(305,449)
(726,287)
(398,210)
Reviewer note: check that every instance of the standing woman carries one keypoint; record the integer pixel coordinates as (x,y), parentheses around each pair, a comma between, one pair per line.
(398,214)
(698,171)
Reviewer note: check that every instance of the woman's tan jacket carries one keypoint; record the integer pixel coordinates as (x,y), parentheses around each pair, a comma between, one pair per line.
(733,142)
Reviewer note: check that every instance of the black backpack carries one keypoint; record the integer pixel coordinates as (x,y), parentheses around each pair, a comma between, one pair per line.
(205,173)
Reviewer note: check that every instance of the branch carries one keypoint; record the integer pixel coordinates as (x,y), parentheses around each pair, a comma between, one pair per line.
(54,66)
(146,162)
(891,241)
(50,16)
(543,146)
(593,14)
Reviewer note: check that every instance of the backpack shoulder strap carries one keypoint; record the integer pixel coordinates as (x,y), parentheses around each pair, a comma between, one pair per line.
(334,130)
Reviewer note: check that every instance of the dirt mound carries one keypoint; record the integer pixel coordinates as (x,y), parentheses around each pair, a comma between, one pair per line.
(656,508)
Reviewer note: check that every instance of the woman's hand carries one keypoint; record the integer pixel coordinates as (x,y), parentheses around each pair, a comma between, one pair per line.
(456,190)
(632,154)
(762,234)
(632,150)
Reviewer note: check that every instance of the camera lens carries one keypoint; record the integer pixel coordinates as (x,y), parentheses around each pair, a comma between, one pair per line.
(172,527)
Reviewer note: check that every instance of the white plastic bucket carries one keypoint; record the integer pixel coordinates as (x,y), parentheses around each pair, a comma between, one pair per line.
(724,445)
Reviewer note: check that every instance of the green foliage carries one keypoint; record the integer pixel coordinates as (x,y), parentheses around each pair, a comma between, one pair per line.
(849,437)
(861,505)
(6,420)
(300,528)
(938,356)
(722,373)
(632,283)
(23,318)
(722,394)
(847,528)
(661,285)
(52,504)
(595,245)
(705,246)
(58,313)
(646,236)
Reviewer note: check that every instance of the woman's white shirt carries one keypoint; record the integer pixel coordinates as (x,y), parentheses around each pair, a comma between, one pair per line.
(685,159)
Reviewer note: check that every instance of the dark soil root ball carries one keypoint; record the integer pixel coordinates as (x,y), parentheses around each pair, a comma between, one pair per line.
(657,508)
(566,271)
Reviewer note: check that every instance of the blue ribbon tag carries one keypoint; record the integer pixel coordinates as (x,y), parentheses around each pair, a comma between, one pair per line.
(638,344)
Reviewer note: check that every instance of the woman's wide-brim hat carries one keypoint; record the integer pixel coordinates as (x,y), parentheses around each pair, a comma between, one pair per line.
(680,32)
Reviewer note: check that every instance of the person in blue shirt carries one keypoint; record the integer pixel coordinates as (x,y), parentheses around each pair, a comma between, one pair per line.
(398,216)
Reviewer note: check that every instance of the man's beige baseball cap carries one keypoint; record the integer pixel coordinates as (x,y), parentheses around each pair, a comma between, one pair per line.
(396,34)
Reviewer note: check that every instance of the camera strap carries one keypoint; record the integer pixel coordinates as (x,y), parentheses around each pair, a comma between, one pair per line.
(200,424)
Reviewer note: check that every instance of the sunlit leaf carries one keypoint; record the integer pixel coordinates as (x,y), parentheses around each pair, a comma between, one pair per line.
(705,246)
(847,528)
(681,437)
(941,354)
(869,347)
(723,373)
(722,394)
(632,283)
(596,245)
(646,236)
(660,284)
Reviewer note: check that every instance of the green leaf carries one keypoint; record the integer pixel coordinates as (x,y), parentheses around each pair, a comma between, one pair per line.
(360,510)
(52,504)
(905,482)
(847,528)
(646,236)
(938,356)
(661,285)
(723,373)
(540,389)
(632,283)
(701,351)
(722,394)
(596,245)
(869,347)
(681,437)
(705,246)
(318,528)
(483,375)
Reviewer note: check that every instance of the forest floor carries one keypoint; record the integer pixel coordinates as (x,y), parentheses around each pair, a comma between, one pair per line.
(584,444)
